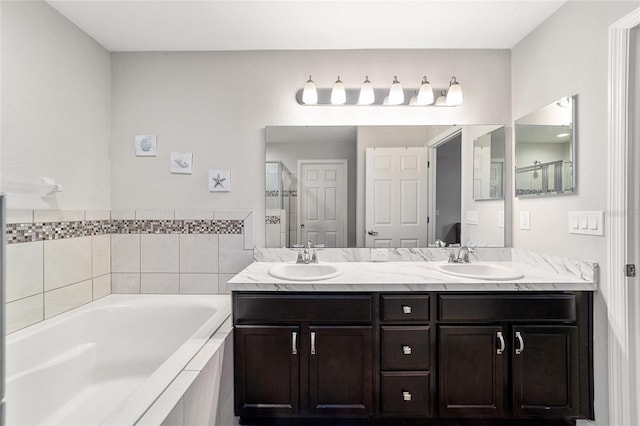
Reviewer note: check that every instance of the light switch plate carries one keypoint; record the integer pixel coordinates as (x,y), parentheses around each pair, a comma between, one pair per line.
(472,217)
(379,255)
(525,222)
(586,222)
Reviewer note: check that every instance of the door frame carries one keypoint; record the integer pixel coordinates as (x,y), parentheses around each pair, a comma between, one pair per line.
(621,302)
(432,156)
(345,197)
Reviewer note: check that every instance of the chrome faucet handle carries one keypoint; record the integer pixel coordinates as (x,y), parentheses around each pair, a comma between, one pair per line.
(314,257)
(300,258)
(452,257)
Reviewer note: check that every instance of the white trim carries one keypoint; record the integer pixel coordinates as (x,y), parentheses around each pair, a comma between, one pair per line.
(614,285)
(432,156)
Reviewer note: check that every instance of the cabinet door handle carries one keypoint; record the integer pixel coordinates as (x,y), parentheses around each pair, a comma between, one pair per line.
(294,343)
(406,396)
(406,309)
(520,347)
(313,343)
(406,349)
(500,350)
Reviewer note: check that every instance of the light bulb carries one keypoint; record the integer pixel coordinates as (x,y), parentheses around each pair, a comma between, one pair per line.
(396,94)
(442,99)
(425,93)
(454,94)
(309,93)
(367,95)
(338,93)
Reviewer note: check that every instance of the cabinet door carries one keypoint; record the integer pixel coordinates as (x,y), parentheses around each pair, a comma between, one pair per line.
(545,371)
(266,370)
(340,371)
(470,371)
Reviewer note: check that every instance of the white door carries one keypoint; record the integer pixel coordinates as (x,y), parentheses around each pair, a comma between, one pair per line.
(396,197)
(322,202)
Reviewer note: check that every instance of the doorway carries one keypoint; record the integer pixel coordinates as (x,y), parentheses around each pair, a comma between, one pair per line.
(448,190)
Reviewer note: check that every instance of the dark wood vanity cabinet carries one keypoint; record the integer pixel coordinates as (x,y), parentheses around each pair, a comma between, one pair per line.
(415,356)
(303,356)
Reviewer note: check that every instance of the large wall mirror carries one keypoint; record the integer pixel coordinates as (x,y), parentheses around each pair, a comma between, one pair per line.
(381,186)
(545,147)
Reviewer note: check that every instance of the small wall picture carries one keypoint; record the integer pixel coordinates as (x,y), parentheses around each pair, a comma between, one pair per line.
(181,162)
(219,180)
(146,146)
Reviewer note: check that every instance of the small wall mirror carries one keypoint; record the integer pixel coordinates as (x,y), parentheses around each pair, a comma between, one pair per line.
(488,166)
(545,146)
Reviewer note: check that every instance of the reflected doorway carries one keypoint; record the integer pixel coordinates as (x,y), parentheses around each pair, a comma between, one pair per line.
(448,190)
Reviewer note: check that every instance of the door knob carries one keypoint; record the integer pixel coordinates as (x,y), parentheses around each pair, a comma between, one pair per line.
(372,232)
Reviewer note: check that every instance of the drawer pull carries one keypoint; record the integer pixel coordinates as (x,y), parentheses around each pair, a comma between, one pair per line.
(500,350)
(520,347)
(406,309)
(313,343)
(406,349)
(294,343)
(406,395)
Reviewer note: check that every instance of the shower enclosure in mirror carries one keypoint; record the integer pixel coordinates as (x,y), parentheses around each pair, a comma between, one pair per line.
(378,186)
(545,145)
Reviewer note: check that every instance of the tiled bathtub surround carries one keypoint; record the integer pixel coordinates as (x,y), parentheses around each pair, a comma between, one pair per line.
(58,260)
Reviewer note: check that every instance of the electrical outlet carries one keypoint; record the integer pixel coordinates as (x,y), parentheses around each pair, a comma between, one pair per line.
(379,255)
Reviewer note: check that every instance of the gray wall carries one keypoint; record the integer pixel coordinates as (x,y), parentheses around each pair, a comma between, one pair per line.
(216,105)
(568,54)
(56,108)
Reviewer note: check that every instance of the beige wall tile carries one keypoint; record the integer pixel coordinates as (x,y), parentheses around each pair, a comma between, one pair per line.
(66,298)
(123,214)
(19,216)
(194,214)
(198,283)
(24,312)
(125,283)
(125,252)
(97,215)
(155,214)
(222,283)
(66,262)
(57,215)
(101,286)
(24,269)
(199,253)
(232,256)
(159,284)
(101,255)
(159,253)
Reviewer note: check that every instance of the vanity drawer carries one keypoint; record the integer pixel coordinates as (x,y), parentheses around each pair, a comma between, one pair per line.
(405,307)
(507,307)
(405,347)
(287,308)
(405,394)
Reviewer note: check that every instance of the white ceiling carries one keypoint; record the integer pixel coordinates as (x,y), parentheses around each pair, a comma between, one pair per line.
(179,25)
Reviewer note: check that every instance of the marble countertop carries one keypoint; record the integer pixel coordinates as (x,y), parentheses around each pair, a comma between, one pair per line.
(413,276)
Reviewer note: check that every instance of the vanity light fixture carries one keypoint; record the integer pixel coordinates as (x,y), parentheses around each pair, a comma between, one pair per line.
(310,93)
(367,95)
(396,94)
(425,93)
(338,93)
(454,93)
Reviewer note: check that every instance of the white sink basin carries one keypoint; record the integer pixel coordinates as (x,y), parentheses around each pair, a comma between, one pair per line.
(305,272)
(480,271)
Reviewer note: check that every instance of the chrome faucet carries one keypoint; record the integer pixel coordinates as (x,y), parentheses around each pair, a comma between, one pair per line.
(307,255)
(462,256)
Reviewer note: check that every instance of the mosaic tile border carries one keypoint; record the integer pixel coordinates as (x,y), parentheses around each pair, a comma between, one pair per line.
(43,231)
(290,193)
(272,193)
(272,220)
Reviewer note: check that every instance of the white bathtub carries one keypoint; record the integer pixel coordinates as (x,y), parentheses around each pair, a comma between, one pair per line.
(106,362)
